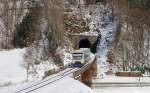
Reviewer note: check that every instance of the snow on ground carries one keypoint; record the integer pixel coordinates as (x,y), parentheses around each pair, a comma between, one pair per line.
(65,85)
(12,70)
(42,68)
(12,67)
(117,79)
(123,90)
(67,59)
(104,46)
(10,89)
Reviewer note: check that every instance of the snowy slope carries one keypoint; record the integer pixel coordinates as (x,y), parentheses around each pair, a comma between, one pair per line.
(117,79)
(101,18)
(16,74)
(66,85)
(12,66)
(123,90)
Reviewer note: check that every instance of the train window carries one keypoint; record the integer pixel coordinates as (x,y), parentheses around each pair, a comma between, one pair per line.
(77,56)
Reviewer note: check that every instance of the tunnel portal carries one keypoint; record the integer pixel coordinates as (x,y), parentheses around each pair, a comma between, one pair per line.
(85,41)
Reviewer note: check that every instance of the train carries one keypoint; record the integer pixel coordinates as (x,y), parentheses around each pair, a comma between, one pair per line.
(80,57)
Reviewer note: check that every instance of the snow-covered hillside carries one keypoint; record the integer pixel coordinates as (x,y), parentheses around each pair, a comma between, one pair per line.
(101,20)
(12,67)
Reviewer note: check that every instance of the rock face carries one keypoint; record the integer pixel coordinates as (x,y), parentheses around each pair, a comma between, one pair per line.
(88,2)
(75,25)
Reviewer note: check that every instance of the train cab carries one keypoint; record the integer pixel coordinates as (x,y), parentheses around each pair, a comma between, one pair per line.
(78,58)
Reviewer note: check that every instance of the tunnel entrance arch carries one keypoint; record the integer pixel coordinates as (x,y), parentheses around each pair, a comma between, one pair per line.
(84,41)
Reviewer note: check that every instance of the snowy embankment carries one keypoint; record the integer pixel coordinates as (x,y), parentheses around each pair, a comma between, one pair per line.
(65,85)
(124,90)
(116,79)
(12,67)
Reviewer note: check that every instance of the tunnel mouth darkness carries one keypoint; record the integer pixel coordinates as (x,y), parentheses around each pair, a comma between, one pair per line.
(84,43)
(100,1)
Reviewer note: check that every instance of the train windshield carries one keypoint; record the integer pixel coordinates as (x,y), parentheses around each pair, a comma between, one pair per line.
(77,56)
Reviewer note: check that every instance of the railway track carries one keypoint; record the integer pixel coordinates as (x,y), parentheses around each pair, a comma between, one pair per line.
(46,81)
(49,80)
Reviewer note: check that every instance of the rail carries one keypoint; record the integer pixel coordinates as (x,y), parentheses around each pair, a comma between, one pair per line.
(45,82)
